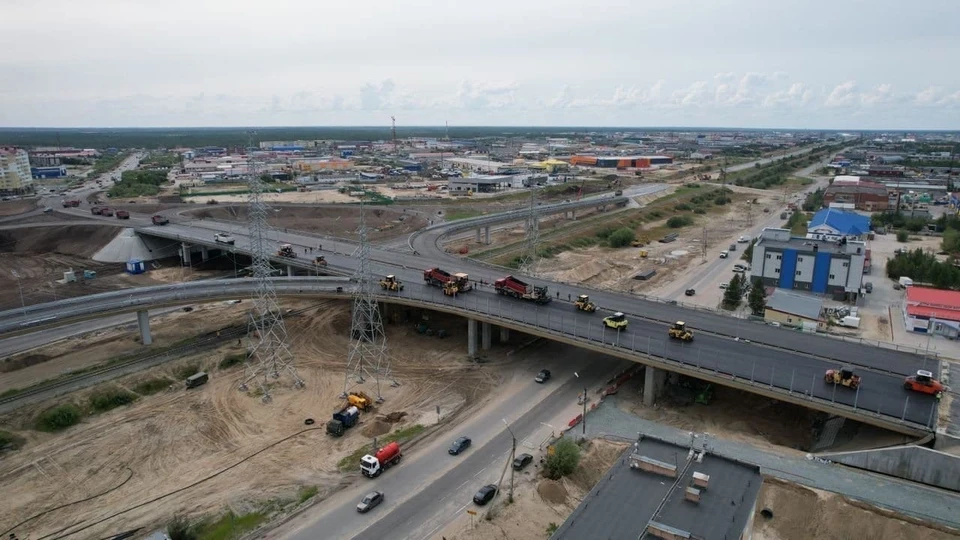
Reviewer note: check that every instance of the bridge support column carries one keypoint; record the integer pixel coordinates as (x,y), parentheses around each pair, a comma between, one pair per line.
(486,235)
(471,338)
(653,382)
(486,335)
(504,334)
(289,271)
(204,253)
(143,321)
(479,230)
(185,253)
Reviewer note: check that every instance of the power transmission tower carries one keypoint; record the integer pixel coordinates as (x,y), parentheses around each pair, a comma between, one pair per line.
(268,356)
(530,260)
(368,347)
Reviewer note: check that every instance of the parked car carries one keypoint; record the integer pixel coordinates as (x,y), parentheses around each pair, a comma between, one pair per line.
(459,445)
(521,461)
(222,238)
(733,247)
(369,501)
(543,376)
(690,292)
(743,240)
(868,286)
(740,268)
(485,494)
(723,285)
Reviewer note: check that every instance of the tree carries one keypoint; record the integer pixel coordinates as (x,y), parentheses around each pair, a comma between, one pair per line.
(757,299)
(564,460)
(621,237)
(748,253)
(734,293)
(951,241)
(903,236)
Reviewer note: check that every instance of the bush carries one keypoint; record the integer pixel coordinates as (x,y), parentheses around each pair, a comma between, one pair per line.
(903,236)
(679,221)
(187,370)
(151,386)
(720,201)
(682,207)
(231,360)
(111,398)
(179,529)
(9,441)
(306,493)
(563,461)
(621,237)
(699,211)
(59,418)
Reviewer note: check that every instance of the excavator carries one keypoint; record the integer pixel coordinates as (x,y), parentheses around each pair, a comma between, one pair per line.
(583,303)
(679,331)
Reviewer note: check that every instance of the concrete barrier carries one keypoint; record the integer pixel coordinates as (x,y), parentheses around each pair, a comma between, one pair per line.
(914,463)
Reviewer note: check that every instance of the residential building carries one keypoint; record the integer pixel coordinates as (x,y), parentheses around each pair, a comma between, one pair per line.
(834,224)
(934,311)
(822,267)
(793,309)
(15,174)
(863,195)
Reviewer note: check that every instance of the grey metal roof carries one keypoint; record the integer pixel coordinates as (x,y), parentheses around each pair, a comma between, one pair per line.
(624,500)
(808,307)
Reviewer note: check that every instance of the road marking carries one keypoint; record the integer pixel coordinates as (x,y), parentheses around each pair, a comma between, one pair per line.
(429,534)
(480,471)
(460,509)
(463,484)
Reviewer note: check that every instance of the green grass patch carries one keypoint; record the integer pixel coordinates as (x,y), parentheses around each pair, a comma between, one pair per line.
(305,493)
(11,392)
(152,386)
(58,418)
(9,441)
(454,214)
(230,360)
(229,526)
(186,370)
(677,222)
(352,461)
(110,398)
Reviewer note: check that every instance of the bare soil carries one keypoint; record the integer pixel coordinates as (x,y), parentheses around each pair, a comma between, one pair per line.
(382,223)
(14,208)
(174,438)
(800,513)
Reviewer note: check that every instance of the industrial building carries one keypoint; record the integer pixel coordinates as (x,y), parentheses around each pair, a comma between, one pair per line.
(479,183)
(322,164)
(664,490)
(621,162)
(863,195)
(834,224)
(822,267)
(48,172)
(793,309)
(14,170)
(479,164)
(934,311)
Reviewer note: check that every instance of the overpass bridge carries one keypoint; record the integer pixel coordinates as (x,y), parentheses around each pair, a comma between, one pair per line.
(777,372)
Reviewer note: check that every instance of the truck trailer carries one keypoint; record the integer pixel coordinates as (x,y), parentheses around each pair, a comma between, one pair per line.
(450,283)
(343,420)
(511,286)
(386,457)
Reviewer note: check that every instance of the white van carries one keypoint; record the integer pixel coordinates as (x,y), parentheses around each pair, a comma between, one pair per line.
(905,281)
(724,254)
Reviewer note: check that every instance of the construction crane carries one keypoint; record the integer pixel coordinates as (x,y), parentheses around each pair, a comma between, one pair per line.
(393,130)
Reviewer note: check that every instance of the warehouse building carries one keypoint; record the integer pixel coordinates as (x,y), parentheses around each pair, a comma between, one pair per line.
(833,224)
(479,165)
(822,267)
(621,162)
(48,172)
(934,311)
(791,309)
(479,183)
(863,195)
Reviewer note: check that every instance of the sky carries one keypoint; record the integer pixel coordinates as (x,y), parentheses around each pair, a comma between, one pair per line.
(847,64)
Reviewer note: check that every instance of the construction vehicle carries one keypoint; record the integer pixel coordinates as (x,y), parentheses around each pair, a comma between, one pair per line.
(924,383)
(320,260)
(96,210)
(286,250)
(450,283)
(644,254)
(511,286)
(71,204)
(343,420)
(391,283)
(159,220)
(843,377)
(106,212)
(617,321)
(123,214)
(583,303)
(360,401)
(679,331)
(383,459)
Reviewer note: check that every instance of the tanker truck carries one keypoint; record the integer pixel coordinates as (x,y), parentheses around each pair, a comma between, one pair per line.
(386,457)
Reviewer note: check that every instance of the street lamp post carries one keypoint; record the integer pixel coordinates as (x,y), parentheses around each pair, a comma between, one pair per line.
(513,454)
(583,417)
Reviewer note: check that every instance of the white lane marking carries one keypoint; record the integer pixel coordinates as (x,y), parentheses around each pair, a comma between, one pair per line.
(480,471)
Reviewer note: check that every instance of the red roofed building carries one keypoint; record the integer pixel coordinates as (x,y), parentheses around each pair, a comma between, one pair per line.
(932,310)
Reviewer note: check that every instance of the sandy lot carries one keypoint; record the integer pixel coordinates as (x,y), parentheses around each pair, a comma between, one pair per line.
(14,208)
(324,196)
(801,513)
(175,438)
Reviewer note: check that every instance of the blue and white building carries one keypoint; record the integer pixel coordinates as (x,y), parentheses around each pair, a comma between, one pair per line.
(834,224)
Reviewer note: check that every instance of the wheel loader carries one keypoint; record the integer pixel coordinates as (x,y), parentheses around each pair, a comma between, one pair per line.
(583,303)
(679,331)
(391,283)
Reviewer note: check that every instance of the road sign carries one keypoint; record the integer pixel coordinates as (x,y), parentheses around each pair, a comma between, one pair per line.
(472,512)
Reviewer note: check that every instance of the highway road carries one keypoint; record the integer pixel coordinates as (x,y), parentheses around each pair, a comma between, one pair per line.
(429,487)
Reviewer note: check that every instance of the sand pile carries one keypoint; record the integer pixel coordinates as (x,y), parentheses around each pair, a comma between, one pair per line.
(376,428)
(583,272)
(552,491)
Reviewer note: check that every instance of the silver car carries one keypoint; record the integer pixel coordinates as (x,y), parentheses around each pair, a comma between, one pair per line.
(369,501)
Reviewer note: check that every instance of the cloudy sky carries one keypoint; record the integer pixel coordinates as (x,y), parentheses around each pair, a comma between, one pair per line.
(840,64)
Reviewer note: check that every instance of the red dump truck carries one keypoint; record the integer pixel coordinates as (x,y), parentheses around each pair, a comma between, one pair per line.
(386,457)
(71,204)
(123,214)
(511,286)
(450,283)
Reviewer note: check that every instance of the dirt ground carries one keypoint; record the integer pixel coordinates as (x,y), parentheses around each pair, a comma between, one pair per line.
(325,196)
(800,513)
(175,438)
(339,222)
(531,513)
(14,208)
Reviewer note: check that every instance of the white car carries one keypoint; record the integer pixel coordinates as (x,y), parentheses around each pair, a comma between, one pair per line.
(222,238)
(724,254)
(743,240)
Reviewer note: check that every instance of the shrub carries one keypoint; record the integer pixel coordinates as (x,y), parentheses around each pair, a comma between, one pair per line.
(563,461)
(679,221)
(9,441)
(151,386)
(306,493)
(720,201)
(111,398)
(179,529)
(621,237)
(231,360)
(59,418)
(903,236)
(656,214)
(699,211)
(682,207)
(187,370)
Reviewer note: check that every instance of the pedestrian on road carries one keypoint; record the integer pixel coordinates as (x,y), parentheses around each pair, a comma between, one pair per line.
(558,295)
(568,297)
(319,247)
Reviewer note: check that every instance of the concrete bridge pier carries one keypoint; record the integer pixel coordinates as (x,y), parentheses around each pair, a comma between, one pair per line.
(471,338)
(204,253)
(486,335)
(504,334)
(486,235)
(143,322)
(289,271)
(479,230)
(653,383)
(185,252)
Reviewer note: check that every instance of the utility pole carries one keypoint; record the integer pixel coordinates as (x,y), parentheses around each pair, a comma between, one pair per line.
(704,250)
(513,455)
(583,418)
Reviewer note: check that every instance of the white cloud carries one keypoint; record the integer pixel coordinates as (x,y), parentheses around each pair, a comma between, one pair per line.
(691,96)
(878,96)
(843,95)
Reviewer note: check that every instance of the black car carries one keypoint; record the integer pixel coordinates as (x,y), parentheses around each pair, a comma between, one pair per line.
(369,501)
(485,494)
(543,376)
(521,461)
(690,292)
(460,445)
